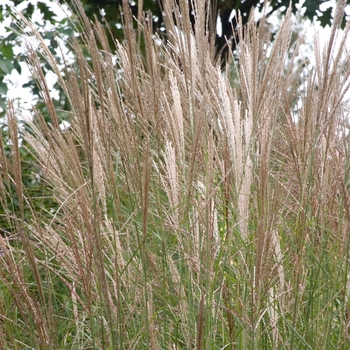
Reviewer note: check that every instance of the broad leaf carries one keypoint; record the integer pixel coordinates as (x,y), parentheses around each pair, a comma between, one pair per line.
(325,18)
(47,13)
(7,51)
(3,88)
(6,65)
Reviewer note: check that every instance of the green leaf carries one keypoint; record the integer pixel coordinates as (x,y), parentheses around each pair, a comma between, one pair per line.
(325,18)
(17,66)
(30,84)
(12,36)
(3,88)
(46,12)
(6,65)
(7,51)
(1,14)
(67,31)
(28,12)
(311,7)
(3,103)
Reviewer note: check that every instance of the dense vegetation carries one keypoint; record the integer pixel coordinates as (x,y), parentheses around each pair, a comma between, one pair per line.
(109,13)
(185,206)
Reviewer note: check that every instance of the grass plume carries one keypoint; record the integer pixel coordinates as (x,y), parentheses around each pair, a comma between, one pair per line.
(195,208)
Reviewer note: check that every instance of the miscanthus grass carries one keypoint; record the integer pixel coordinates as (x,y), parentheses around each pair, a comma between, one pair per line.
(196,208)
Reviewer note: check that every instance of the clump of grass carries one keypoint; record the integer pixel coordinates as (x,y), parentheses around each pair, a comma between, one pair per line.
(193,210)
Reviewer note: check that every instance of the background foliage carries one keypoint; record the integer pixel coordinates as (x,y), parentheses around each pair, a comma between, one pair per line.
(109,13)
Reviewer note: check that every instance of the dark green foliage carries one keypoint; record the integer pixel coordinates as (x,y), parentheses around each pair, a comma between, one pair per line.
(108,12)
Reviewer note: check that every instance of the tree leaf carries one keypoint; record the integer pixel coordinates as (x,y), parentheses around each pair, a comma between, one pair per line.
(17,66)
(3,103)
(325,18)
(7,51)
(6,65)
(3,88)
(29,10)
(311,6)
(47,13)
